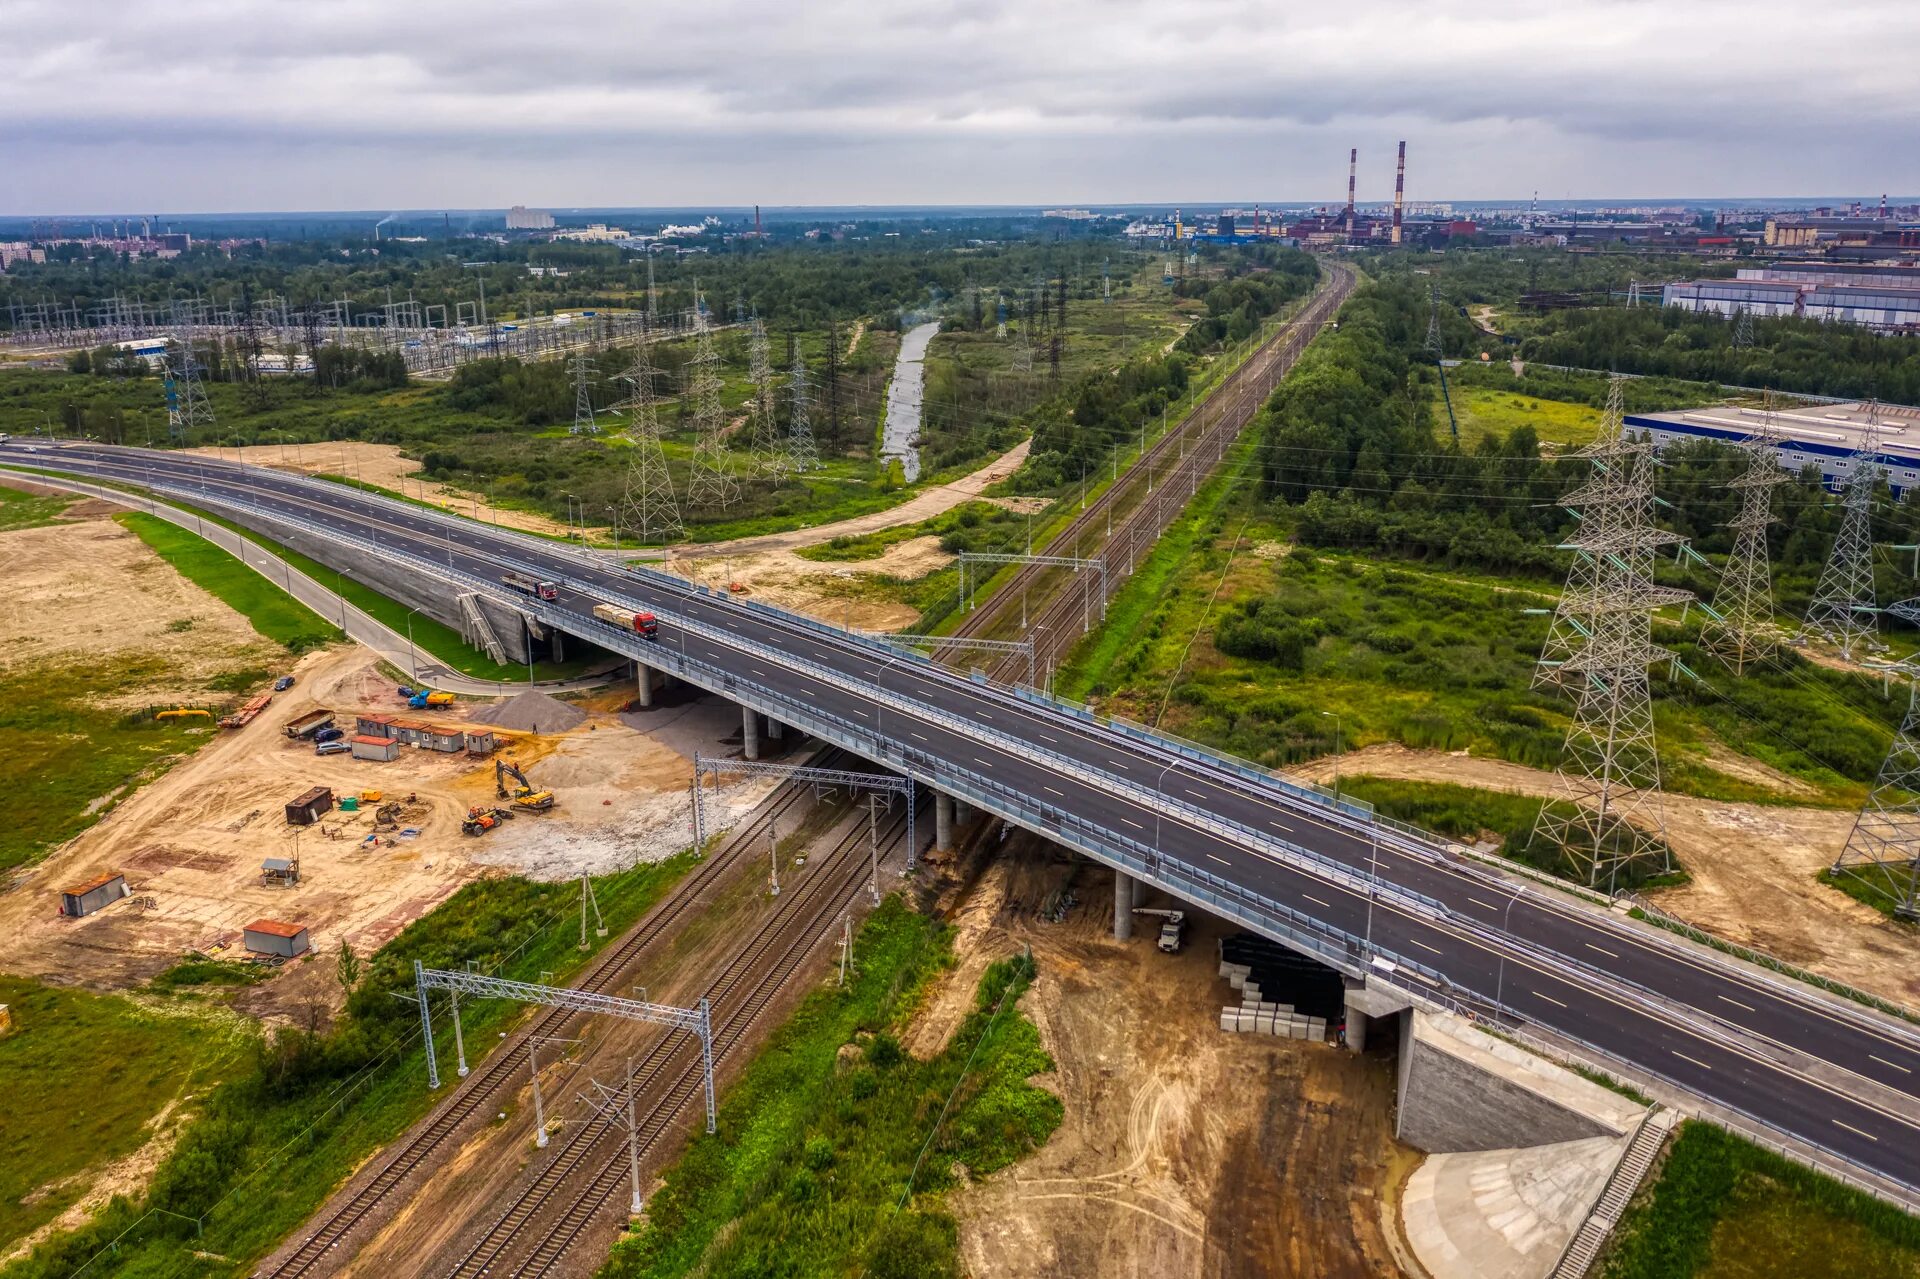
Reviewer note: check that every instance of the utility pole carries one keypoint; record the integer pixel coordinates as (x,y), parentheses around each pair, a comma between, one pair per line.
(587,899)
(803,454)
(648,492)
(712,484)
(769,458)
(583,423)
(773,861)
(1883,849)
(1842,611)
(873,844)
(1744,599)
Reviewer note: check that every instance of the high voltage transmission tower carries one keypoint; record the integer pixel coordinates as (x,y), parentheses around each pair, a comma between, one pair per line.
(802,454)
(1842,611)
(1742,329)
(648,496)
(1744,631)
(583,423)
(1609,776)
(1883,849)
(712,483)
(769,458)
(187,405)
(1437,351)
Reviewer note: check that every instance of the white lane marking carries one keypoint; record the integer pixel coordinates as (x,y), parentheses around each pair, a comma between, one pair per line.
(857,711)
(1119,763)
(1043,737)
(1423,946)
(1884,1062)
(983,715)
(916,736)
(1316,901)
(1602,949)
(1482,905)
(757,671)
(984,763)
(1736,1003)
(1136,825)
(1695,1060)
(1196,794)
(807,691)
(1549,998)
(1850,1128)
(1278,825)
(1051,791)
(1224,862)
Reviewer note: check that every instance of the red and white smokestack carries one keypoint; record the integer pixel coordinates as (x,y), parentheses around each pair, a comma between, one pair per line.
(756,222)
(1399,191)
(1353,166)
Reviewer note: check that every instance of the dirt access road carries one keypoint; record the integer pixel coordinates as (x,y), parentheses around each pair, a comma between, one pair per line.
(1752,869)
(1184,1150)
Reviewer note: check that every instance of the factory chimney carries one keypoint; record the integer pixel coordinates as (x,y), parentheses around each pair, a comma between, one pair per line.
(756,222)
(1353,164)
(1399,191)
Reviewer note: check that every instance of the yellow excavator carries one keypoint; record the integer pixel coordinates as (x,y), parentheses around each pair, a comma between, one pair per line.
(523,793)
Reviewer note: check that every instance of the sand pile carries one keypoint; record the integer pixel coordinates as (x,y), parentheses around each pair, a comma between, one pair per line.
(532,712)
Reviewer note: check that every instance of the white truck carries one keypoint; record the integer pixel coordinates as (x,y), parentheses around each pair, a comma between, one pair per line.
(1173,925)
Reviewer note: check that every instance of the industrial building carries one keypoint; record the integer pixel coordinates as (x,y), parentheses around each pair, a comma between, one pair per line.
(84,899)
(272,937)
(521,218)
(1822,435)
(1882,299)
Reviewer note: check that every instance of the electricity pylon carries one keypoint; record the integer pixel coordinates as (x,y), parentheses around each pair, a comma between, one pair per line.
(648,496)
(1842,611)
(583,423)
(1742,329)
(1571,627)
(712,484)
(769,458)
(1744,630)
(1609,775)
(1883,849)
(1437,351)
(803,454)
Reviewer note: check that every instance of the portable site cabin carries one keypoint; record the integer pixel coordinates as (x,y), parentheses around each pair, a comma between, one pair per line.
(272,937)
(309,808)
(481,741)
(84,899)
(379,749)
(280,870)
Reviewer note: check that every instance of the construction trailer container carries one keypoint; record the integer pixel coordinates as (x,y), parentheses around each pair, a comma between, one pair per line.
(481,741)
(273,937)
(379,749)
(309,724)
(84,899)
(419,733)
(310,807)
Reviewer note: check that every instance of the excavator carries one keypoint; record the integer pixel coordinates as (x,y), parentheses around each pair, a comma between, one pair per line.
(524,793)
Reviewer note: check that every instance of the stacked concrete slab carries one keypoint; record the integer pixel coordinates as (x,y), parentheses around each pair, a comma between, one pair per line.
(1254,1015)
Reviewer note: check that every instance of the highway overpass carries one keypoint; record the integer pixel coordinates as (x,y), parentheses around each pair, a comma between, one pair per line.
(1769,1055)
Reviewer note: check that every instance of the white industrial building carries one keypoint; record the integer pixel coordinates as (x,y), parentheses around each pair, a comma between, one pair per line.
(521,218)
(1822,435)
(1883,300)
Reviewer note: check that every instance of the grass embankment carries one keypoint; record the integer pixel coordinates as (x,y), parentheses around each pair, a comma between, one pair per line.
(273,612)
(310,1105)
(831,1160)
(30,510)
(1723,1208)
(83,1076)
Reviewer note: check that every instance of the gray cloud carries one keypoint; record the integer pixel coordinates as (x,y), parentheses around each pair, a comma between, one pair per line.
(248,103)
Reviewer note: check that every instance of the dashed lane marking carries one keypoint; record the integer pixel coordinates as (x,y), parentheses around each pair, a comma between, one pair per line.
(1695,1060)
(1856,1131)
(1736,1003)
(1884,1062)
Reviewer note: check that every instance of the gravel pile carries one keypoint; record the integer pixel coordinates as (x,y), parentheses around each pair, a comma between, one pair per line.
(532,712)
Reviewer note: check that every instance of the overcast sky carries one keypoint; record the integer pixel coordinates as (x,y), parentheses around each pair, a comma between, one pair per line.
(207,105)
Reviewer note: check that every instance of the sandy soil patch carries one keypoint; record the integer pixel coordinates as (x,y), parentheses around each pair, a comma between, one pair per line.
(1752,867)
(1184,1150)
(90,591)
(385,465)
(834,592)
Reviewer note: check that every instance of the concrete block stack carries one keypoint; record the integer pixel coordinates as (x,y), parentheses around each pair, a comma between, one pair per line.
(1254,1015)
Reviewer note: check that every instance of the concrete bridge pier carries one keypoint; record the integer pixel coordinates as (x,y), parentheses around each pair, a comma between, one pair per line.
(943,809)
(643,685)
(1124,886)
(749,732)
(775,729)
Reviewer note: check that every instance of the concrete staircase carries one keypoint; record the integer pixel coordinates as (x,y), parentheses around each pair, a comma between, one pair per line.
(1584,1248)
(479,630)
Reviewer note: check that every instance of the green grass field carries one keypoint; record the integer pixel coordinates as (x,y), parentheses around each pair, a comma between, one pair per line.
(30,510)
(83,1076)
(273,612)
(832,1165)
(1484,412)
(1723,1208)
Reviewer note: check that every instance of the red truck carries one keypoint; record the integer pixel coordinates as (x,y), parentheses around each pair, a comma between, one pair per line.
(531,585)
(645,625)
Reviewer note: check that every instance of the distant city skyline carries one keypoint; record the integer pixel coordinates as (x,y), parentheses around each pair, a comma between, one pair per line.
(340,106)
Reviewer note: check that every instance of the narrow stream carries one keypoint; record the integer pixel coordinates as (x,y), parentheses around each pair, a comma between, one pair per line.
(904,397)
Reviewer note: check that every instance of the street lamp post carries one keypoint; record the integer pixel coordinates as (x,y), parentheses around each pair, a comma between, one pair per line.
(1500,982)
(1336,753)
(413,658)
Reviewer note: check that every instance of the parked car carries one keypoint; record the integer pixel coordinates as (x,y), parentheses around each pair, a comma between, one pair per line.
(332,748)
(329,735)
(282,684)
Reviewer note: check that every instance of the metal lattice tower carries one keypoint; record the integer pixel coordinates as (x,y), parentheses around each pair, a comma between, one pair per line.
(1744,630)
(1742,329)
(1883,849)
(712,484)
(1842,611)
(583,423)
(648,496)
(1572,627)
(1609,776)
(1106,281)
(1023,342)
(187,405)
(1000,326)
(1436,349)
(769,458)
(802,453)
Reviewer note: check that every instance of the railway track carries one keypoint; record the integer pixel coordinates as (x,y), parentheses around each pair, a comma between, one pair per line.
(574,1186)
(501,1067)
(1125,521)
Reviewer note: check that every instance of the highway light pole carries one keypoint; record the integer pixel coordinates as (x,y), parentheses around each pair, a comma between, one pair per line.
(1336,754)
(413,658)
(1500,982)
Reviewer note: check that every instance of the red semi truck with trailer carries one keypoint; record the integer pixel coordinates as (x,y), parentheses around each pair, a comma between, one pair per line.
(645,625)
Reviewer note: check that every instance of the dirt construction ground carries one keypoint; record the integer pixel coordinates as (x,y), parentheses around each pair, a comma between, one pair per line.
(1752,869)
(1184,1150)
